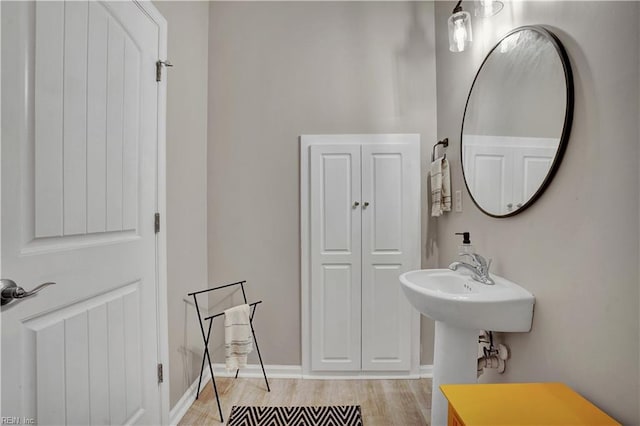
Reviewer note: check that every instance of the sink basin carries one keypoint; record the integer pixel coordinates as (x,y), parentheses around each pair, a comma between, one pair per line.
(454,298)
(461,307)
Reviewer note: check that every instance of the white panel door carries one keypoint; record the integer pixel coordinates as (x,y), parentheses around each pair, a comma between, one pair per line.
(79,188)
(390,240)
(335,257)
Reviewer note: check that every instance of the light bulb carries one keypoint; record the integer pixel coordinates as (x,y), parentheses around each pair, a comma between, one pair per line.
(459,31)
(459,34)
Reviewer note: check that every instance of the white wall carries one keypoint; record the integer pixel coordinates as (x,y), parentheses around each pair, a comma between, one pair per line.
(186,222)
(577,248)
(281,69)
(278,70)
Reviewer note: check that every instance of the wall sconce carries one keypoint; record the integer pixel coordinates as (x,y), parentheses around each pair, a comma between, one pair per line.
(487,8)
(459,24)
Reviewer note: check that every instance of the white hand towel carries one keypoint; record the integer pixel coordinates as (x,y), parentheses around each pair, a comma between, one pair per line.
(237,337)
(440,187)
(446,186)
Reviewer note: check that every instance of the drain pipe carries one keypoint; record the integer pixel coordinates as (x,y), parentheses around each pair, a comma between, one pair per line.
(493,357)
(492,361)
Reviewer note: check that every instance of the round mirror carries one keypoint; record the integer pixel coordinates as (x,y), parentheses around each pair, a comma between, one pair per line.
(517,121)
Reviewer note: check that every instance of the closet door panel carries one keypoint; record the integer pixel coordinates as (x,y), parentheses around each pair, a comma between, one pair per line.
(390,218)
(531,166)
(490,171)
(385,326)
(335,257)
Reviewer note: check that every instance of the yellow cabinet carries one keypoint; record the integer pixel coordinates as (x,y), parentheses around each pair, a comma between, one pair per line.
(512,404)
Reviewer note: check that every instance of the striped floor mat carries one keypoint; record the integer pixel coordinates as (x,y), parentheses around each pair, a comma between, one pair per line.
(336,415)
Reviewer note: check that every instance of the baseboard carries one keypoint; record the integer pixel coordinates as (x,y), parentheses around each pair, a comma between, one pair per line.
(360,375)
(295,372)
(426,371)
(253,371)
(280,372)
(182,406)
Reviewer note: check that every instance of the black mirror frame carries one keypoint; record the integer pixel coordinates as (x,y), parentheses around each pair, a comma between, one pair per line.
(568,117)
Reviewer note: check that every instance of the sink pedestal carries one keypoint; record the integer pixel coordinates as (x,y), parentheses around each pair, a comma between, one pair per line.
(461,307)
(455,358)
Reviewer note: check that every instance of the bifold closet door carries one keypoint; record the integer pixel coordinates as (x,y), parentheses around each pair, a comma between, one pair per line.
(390,240)
(335,222)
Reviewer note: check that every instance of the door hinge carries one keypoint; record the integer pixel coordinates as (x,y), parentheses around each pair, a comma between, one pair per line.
(159,65)
(157,223)
(160,374)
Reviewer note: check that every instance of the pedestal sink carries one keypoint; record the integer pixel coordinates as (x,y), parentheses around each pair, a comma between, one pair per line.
(461,307)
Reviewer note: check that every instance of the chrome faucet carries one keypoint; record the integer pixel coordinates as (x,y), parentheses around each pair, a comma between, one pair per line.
(479,268)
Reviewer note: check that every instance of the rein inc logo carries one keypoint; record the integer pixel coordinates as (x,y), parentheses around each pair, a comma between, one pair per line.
(17,421)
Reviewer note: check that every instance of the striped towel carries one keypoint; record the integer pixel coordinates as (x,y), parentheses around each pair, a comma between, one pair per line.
(440,187)
(237,337)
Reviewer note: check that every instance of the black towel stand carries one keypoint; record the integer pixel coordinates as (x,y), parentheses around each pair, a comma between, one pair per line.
(206,336)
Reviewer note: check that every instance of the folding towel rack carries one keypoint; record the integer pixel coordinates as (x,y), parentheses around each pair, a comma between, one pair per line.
(206,337)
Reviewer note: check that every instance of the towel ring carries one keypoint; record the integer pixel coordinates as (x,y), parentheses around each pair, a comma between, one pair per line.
(445,143)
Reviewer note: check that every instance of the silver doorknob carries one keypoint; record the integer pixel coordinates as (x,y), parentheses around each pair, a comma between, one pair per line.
(366,204)
(356,203)
(9,290)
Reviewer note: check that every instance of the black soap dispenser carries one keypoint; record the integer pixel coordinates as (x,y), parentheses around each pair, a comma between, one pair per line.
(466,247)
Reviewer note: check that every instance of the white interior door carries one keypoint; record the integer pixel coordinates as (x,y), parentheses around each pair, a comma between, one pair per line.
(390,241)
(79,191)
(335,221)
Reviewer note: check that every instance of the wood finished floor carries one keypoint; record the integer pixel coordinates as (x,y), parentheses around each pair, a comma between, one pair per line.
(382,402)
